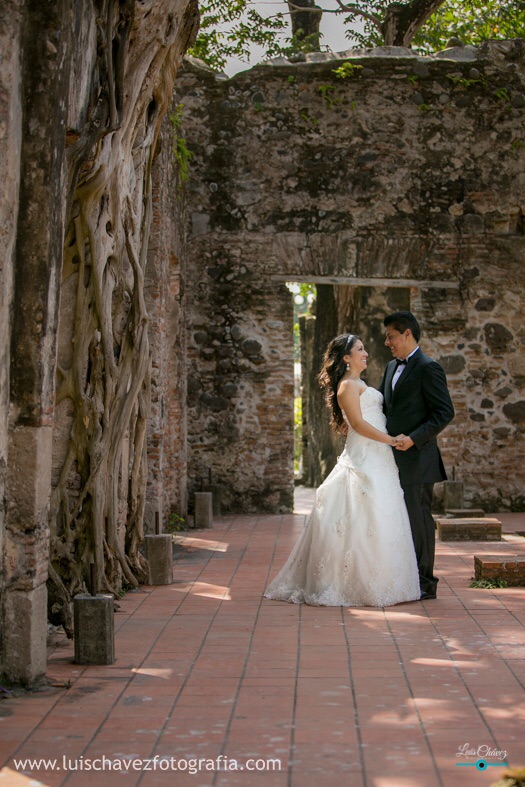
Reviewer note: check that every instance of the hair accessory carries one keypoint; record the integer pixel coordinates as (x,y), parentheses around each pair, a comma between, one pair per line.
(350,337)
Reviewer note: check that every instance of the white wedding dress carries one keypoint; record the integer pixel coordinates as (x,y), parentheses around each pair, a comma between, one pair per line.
(356,548)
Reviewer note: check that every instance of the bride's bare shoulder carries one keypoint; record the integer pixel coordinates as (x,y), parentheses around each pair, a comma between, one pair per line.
(351,386)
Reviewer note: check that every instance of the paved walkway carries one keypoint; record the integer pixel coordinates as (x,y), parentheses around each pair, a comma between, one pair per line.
(206,668)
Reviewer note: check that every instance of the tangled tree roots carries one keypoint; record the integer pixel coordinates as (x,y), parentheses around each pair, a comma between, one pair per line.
(103,371)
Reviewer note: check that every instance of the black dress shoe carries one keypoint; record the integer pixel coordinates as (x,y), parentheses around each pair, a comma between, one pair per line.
(425,596)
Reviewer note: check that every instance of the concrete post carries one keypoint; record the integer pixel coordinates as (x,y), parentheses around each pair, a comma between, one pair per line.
(203,516)
(94,629)
(25,629)
(159,553)
(215,490)
(453,494)
(26,544)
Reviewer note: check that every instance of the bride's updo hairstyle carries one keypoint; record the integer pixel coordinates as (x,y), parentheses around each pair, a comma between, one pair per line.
(332,370)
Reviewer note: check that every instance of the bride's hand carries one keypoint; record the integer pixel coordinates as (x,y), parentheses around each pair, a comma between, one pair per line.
(399,442)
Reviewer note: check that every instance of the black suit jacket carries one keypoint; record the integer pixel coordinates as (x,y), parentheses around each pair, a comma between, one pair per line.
(420,407)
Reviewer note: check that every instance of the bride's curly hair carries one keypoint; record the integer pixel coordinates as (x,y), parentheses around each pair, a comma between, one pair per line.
(331,372)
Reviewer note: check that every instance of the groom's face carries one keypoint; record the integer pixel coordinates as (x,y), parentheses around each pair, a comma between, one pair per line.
(398,343)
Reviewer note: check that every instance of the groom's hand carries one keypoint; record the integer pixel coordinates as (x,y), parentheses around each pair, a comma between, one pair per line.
(403,443)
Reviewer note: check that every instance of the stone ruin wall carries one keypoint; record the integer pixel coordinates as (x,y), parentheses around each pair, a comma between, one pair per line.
(62,86)
(397,171)
(165,303)
(411,168)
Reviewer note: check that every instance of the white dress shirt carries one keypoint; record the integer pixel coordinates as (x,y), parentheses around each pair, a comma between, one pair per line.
(401,368)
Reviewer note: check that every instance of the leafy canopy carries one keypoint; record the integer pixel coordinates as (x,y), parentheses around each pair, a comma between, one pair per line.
(472,21)
(229,28)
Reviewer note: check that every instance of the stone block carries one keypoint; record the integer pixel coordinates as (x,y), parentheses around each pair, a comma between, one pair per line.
(94,629)
(508,567)
(453,494)
(215,489)
(203,516)
(461,513)
(159,553)
(29,473)
(25,634)
(469,529)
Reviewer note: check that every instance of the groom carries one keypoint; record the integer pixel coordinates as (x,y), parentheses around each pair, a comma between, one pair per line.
(418,407)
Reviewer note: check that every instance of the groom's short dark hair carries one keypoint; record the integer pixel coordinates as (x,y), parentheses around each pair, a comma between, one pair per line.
(403,320)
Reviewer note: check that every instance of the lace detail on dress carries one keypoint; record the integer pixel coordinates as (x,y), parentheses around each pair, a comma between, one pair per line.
(356,547)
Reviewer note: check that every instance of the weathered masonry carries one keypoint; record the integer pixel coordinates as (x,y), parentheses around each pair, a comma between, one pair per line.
(83,89)
(397,173)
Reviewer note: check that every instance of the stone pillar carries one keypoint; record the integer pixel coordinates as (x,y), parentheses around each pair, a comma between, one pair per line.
(42,40)
(164,296)
(442,317)
(453,494)
(25,633)
(159,553)
(94,629)
(27,551)
(216,491)
(10,144)
(203,516)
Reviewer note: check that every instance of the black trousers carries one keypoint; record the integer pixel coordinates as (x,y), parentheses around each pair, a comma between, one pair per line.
(418,499)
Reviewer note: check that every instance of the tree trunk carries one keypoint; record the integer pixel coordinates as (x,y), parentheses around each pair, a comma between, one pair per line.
(403,20)
(323,445)
(337,311)
(103,369)
(305,24)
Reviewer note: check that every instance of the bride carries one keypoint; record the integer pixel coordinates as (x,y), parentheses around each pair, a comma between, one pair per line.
(356,548)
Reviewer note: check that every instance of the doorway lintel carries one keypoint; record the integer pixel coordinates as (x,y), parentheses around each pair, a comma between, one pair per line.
(358,281)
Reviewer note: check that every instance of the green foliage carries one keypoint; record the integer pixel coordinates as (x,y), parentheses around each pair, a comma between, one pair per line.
(512,777)
(326,92)
(458,81)
(304,295)
(298,433)
(472,21)
(230,28)
(180,152)
(489,583)
(300,44)
(303,298)
(347,70)
(503,94)
(311,119)
(175,524)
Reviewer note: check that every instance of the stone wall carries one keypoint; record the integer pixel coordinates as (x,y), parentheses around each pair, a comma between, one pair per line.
(37,49)
(164,289)
(81,102)
(409,173)
(10,144)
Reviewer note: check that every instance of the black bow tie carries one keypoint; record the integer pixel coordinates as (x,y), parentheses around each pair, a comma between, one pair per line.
(399,362)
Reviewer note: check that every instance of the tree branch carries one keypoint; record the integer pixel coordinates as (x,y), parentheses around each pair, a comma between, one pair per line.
(401,23)
(403,20)
(354,9)
(343,8)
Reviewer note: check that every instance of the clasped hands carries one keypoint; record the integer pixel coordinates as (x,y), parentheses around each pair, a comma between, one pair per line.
(402,442)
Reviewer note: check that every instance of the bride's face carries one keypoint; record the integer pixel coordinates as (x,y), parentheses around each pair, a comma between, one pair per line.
(357,357)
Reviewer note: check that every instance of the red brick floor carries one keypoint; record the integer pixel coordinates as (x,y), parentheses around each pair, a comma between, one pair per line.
(207,667)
